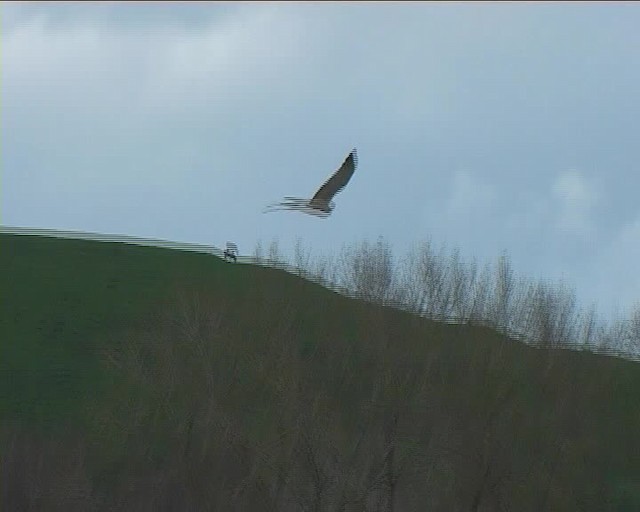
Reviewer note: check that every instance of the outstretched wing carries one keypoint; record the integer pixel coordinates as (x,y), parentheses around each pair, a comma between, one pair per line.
(339,179)
(289,203)
(294,204)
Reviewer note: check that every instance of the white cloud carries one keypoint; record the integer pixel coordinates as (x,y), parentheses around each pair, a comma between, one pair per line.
(471,197)
(244,58)
(161,67)
(612,279)
(576,197)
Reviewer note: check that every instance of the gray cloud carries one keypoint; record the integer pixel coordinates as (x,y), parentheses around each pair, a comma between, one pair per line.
(182,120)
(577,198)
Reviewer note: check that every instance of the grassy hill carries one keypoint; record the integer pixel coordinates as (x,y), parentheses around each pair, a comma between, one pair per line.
(140,378)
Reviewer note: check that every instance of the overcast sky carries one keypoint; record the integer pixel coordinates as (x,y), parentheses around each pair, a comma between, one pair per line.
(488,126)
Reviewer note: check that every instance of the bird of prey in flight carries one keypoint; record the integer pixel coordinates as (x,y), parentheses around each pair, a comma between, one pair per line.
(321,203)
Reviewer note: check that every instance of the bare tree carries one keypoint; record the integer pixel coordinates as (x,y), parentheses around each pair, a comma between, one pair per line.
(565,309)
(552,314)
(460,285)
(321,269)
(301,257)
(275,256)
(588,330)
(479,309)
(503,293)
(413,293)
(618,333)
(443,286)
(258,252)
(430,272)
(634,330)
(367,270)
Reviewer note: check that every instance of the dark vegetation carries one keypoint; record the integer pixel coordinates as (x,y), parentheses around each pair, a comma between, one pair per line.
(137,378)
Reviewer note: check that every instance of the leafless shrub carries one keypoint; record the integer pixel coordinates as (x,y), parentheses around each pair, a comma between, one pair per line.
(302,258)
(588,327)
(435,285)
(427,273)
(325,270)
(367,270)
(480,304)
(622,332)
(258,252)
(634,330)
(275,256)
(461,278)
(551,318)
(503,294)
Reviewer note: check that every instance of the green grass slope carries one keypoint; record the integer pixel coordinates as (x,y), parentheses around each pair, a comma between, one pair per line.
(59,297)
(166,379)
